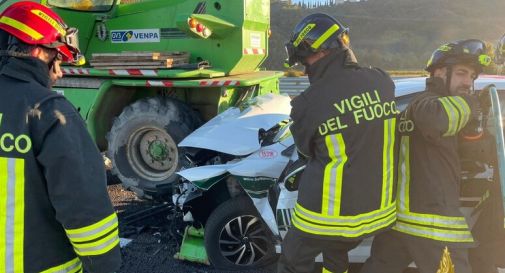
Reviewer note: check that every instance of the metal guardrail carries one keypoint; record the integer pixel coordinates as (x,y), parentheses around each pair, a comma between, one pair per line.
(293,86)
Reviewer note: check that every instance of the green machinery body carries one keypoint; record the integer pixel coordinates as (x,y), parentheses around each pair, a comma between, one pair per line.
(237,46)
(139,115)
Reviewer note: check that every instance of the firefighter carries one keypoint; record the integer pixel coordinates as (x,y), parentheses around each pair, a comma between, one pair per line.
(344,124)
(428,203)
(56,215)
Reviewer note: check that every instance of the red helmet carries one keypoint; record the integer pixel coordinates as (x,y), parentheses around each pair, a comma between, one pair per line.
(36,24)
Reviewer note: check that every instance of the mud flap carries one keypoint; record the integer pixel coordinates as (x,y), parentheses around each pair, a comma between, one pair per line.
(193,247)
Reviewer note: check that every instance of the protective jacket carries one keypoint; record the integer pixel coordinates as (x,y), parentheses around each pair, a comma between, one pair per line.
(429,179)
(55,213)
(345,124)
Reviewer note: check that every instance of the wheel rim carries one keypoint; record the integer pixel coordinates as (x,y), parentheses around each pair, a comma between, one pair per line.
(152,153)
(244,240)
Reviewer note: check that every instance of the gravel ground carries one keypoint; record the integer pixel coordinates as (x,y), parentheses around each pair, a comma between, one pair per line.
(154,243)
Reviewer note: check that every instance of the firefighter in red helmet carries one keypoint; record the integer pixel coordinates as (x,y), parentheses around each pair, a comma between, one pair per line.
(56,215)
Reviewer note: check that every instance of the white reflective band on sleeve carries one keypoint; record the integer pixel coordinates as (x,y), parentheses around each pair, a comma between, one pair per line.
(94,231)
(99,247)
(73,266)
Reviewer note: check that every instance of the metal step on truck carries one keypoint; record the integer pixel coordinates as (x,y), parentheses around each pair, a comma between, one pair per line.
(139,113)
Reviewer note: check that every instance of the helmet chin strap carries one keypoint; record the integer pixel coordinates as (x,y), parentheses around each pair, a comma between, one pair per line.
(448,78)
(51,65)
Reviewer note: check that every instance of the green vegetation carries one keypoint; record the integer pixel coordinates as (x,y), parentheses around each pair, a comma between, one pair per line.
(396,34)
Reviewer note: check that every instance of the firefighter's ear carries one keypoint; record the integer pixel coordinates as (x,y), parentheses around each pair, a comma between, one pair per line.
(36,52)
(440,72)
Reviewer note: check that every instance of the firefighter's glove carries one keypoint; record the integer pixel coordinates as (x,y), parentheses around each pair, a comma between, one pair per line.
(292,183)
(484,97)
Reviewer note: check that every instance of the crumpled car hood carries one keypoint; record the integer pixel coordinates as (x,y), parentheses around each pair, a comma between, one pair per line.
(235,131)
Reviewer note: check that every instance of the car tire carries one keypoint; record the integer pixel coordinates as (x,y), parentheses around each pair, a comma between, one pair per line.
(142,144)
(231,247)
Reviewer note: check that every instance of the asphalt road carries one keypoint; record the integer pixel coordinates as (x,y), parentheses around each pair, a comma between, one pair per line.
(154,241)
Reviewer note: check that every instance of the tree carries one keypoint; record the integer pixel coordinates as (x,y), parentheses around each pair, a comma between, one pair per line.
(394,34)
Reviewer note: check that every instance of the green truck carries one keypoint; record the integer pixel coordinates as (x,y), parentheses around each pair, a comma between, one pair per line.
(138,115)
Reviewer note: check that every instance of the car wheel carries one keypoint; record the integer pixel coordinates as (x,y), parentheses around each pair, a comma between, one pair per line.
(237,238)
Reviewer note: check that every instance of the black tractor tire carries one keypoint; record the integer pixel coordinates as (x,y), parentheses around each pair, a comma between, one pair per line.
(236,238)
(142,144)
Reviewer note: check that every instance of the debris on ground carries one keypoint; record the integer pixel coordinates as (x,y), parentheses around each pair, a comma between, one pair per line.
(154,239)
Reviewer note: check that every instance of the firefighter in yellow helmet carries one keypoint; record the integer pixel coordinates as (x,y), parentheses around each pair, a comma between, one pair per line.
(428,203)
(344,123)
(56,215)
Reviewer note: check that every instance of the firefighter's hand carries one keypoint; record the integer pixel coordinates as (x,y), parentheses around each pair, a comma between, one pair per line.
(484,97)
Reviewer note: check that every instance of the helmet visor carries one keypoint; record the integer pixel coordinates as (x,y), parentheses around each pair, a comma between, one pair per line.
(71,39)
(478,49)
(291,54)
(69,46)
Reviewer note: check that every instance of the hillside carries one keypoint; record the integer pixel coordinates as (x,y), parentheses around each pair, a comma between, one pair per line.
(396,34)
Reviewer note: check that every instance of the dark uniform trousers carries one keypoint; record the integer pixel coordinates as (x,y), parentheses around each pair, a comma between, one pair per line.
(490,233)
(300,250)
(393,251)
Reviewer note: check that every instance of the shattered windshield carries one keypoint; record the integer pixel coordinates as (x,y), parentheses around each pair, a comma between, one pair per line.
(85,5)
